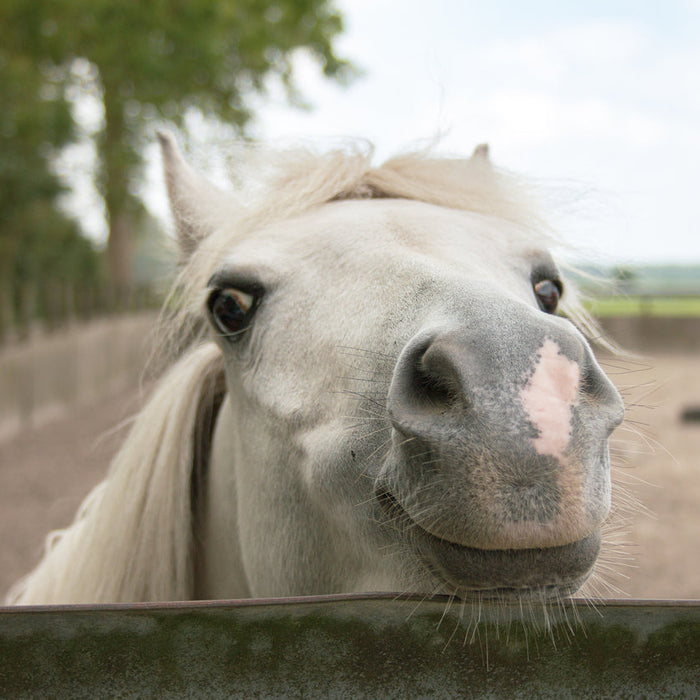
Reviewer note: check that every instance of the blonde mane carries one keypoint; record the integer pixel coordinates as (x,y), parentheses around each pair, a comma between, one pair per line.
(147,493)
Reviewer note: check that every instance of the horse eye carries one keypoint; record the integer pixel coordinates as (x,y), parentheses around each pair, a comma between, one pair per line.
(548,294)
(230,310)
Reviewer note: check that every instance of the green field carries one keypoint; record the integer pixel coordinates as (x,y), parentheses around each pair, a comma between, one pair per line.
(678,307)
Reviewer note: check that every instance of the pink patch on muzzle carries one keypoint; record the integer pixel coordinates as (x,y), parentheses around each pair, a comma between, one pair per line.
(549,397)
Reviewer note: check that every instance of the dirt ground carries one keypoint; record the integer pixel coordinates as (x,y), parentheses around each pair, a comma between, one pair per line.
(46,472)
(658,463)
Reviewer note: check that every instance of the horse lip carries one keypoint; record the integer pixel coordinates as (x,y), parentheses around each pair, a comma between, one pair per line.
(548,572)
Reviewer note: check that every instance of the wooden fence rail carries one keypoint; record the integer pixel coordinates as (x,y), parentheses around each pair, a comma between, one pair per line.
(351,646)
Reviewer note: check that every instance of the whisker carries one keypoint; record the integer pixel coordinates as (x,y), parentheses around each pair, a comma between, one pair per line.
(359,395)
(364,352)
(371,380)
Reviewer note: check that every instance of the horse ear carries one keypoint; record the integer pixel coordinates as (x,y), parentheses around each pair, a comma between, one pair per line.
(481,152)
(187,191)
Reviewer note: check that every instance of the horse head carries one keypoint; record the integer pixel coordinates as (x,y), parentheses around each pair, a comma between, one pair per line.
(405,408)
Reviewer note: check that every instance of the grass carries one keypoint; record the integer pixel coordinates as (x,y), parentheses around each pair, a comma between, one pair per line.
(676,307)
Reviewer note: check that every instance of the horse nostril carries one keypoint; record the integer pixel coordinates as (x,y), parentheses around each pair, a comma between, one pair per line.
(427,385)
(442,373)
(434,389)
(596,386)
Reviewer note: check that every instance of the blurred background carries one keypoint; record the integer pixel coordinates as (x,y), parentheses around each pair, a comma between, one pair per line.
(597,102)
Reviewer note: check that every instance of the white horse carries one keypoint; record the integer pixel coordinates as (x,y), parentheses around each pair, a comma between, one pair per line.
(385,399)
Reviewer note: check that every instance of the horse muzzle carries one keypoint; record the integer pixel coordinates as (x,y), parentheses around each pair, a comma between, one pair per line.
(502,574)
(499,471)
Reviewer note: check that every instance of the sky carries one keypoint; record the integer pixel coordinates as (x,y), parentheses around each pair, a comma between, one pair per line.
(598,102)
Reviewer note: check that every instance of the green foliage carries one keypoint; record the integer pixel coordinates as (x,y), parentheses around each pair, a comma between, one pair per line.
(44,261)
(623,275)
(159,59)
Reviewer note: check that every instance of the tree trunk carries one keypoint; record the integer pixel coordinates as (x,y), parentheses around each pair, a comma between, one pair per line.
(116,164)
(7,311)
(119,256)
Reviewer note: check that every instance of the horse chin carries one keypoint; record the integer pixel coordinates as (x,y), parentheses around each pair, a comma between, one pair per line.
(537,574)
(538,594)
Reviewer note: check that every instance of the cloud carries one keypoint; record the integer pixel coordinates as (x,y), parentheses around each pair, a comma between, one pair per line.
(532,118)
(549,57)
(612,102)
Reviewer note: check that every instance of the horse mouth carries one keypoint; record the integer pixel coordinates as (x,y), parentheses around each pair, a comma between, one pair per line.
(496,574)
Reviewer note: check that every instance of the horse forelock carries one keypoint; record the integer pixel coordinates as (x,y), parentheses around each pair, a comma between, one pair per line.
(294,181)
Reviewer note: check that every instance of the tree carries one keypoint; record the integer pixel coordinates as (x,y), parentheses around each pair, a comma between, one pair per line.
(624,278)
(157,59)
(42,250)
